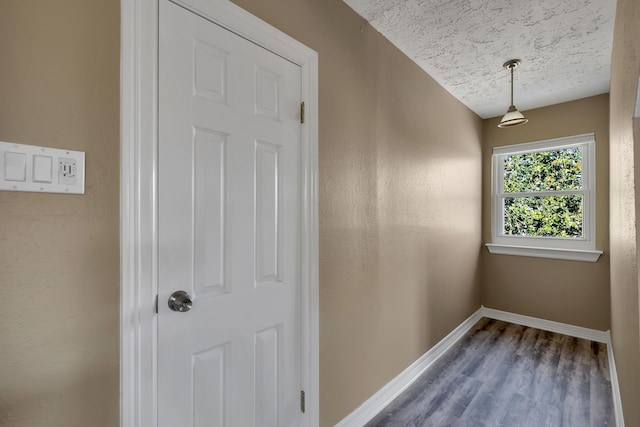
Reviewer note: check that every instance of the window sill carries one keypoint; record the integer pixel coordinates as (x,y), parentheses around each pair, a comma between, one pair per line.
(568,254)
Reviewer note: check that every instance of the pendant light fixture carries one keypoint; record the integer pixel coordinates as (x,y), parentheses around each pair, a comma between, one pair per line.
(513,116)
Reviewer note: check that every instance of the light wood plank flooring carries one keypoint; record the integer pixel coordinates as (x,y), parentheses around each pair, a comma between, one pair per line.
(502,374)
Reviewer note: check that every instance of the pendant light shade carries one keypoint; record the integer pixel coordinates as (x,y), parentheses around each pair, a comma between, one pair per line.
(513,116)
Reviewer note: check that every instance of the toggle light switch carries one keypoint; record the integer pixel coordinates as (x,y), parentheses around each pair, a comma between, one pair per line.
(15,166)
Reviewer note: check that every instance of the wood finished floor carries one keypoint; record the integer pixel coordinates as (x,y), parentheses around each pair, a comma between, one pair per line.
(502,374)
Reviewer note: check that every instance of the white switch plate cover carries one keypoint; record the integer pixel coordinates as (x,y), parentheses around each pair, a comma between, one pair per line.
(36,179)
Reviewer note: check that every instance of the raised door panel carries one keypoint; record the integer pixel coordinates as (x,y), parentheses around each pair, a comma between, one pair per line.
(210,377)
(268,207)
(267,377)
(267,93)
(210,71)
(210,219)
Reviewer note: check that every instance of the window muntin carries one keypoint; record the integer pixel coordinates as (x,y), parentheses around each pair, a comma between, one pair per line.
(543,194)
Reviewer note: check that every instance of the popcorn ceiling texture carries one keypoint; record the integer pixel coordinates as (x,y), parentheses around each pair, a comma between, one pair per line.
(565,46)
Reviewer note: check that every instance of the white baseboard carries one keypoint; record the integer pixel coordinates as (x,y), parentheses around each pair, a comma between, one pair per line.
(376,403)
(615,387)
(545,325)
(372,406)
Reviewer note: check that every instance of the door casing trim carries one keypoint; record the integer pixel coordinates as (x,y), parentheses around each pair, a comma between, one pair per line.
(138,197)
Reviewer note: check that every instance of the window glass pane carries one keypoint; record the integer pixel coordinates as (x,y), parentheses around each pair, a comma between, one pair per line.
(544,171)
(554,216)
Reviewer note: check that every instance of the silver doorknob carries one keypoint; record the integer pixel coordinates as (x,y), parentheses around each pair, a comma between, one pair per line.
(180,301)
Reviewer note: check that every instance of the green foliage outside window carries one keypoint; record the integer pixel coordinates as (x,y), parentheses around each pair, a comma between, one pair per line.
(548,215)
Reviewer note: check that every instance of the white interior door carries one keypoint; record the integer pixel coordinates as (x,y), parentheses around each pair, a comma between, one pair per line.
(228,228)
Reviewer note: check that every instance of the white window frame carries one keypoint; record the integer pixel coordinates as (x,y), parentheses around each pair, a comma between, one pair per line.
(578,249)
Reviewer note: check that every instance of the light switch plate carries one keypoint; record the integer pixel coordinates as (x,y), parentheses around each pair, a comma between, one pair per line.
(41,169)
(15,166)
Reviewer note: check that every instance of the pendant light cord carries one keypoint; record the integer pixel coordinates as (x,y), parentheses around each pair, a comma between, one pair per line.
(511,68)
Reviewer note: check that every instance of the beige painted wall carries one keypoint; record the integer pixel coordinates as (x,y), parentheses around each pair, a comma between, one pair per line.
(564,291)
(59,87)
(399,203)
(625,205)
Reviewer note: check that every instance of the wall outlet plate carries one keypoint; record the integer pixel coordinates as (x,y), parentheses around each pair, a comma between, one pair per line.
(41,169)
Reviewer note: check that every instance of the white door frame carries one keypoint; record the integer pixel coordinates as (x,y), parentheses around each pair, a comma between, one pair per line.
(138,197)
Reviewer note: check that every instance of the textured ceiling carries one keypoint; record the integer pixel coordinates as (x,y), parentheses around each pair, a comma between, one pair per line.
(564,45)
